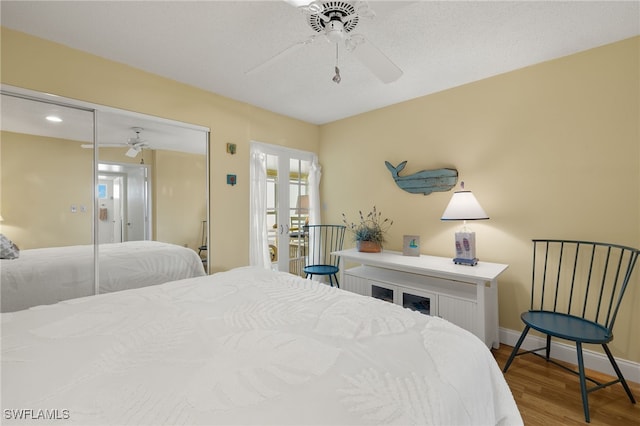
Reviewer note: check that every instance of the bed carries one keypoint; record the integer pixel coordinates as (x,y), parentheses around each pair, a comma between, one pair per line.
(247,346)
(48,275)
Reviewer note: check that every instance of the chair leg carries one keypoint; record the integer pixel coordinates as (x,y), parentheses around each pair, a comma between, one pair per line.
(514,352)
(548,349)
(614,364)
(337,282)
(583,382)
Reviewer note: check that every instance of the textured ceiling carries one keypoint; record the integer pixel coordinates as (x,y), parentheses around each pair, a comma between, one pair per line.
(437,44)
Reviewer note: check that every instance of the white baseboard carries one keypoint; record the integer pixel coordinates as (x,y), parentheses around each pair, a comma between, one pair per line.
(564,352)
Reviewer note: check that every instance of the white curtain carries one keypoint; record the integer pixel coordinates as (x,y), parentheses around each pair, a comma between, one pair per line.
(314,192)
(314,203)
(258,244)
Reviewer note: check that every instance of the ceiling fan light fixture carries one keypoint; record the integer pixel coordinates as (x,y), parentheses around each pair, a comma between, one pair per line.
(132,152)
(334,30)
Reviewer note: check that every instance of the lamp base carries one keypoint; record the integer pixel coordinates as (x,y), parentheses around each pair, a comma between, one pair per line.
(469,262)
(466,248)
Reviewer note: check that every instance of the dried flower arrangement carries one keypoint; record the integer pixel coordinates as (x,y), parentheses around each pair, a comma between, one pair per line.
(371,227)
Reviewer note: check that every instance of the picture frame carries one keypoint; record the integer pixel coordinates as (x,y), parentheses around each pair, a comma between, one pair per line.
(411,245)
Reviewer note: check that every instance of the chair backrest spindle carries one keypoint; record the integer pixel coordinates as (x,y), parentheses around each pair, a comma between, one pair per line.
(633,257)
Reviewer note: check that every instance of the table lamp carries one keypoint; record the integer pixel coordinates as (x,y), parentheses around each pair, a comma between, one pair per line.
(464,206)
(302,207)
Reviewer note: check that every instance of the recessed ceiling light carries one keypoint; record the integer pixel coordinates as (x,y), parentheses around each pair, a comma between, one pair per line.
(54,118)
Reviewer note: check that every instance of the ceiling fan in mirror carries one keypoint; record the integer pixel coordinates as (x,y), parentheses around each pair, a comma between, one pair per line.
(136,144)
(336,21)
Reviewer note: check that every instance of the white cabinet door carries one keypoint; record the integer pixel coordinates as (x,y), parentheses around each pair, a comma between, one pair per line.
(461,312)
(356,284)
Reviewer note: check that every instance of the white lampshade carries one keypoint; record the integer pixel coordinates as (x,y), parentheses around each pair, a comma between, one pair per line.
(302,206)
(464,206)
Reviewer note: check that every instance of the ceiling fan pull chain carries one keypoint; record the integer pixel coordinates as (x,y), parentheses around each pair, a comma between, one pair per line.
(336,78)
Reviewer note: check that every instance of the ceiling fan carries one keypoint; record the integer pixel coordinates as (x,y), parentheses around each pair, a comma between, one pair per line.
(136,144)
(335,20)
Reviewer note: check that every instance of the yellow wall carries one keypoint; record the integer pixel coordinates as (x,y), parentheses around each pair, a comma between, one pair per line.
(42,178)
(179,188)
(178,192)
(550,151)
(37,64)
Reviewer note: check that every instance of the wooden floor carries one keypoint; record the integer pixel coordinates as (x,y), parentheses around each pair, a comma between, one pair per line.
(548,395)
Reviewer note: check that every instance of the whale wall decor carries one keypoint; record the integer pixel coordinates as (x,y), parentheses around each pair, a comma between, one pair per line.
(424,182)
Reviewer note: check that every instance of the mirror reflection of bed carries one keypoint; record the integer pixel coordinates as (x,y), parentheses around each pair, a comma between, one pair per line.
(146,235)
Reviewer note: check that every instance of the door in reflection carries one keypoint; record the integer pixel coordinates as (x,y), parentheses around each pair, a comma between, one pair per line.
(124,203)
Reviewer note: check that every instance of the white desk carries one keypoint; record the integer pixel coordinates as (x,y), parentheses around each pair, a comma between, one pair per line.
(464,295)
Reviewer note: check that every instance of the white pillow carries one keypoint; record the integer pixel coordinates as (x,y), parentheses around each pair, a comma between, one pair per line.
(8,250)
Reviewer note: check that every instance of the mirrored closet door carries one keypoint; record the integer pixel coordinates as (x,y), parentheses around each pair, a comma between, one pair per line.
(152,186)
(86,177)
(46,198)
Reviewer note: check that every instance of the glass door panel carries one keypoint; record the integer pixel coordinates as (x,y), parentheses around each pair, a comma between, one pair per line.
(382,293)
(298,214)
(272,209)
(418,303)
(287,210)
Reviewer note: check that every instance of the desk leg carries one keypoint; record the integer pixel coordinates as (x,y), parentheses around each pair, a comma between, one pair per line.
(341,263)
(487,298)
(492,313)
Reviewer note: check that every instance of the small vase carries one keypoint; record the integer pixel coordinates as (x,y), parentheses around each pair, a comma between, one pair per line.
(368,246)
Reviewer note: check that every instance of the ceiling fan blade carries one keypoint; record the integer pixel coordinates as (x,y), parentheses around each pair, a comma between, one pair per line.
(373,59)
(312,8)
(281,55)
(103,145)
(347,18)
(363,9)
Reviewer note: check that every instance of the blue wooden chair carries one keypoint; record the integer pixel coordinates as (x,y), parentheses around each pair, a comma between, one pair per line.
(322,241)
(576,290)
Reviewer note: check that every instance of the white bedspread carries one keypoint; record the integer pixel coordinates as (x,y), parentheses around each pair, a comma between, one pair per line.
(49,275)
(247,346)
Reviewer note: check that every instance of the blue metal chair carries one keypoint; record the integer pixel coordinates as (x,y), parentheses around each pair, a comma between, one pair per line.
(322,241)
(576,290)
